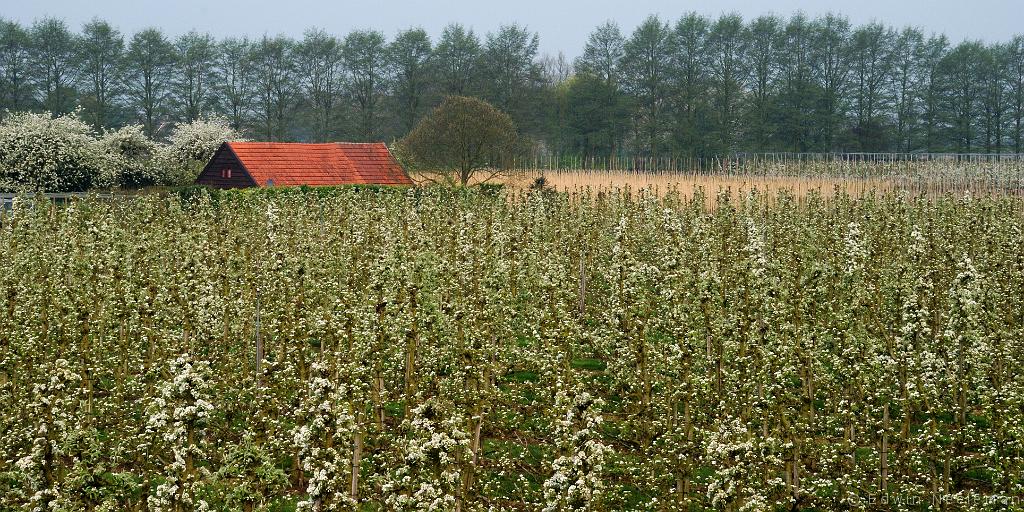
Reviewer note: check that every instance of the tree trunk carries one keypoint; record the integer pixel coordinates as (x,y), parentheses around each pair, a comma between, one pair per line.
(357,455)
(885,449)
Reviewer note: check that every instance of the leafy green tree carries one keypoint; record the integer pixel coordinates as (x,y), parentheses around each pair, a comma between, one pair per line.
(872,58)
(510,70)
(933,54)
(961,69)
(799,93)
(831,69)
(15,84)
(906,86)
(457,61)
(727,50)
(596,101)
(552,99)
(689,79)
(55,66)
(648,81)
(602,55)
(995,96)
(1016,51)
(460,139)
(595,110)
(763,44)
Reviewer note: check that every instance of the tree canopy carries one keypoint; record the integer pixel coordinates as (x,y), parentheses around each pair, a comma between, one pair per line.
(692,86)
(459,138)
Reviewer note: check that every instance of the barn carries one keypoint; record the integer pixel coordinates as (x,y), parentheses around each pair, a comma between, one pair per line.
(279,164)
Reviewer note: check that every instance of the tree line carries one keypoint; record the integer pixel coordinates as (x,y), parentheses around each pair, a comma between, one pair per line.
(695,87)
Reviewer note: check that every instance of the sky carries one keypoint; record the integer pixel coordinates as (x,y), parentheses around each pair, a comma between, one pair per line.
(563,26)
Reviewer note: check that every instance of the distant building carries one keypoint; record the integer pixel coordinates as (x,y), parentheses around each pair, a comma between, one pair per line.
(270,164)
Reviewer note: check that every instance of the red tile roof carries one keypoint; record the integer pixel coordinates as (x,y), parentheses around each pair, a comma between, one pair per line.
(336,163)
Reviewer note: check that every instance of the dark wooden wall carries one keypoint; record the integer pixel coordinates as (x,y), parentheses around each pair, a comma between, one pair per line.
(224,159)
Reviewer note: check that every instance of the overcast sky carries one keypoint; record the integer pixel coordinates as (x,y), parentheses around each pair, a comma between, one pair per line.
(562,25)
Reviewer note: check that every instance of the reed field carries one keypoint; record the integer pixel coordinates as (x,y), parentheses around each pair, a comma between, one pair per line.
(433,348)
(799,178)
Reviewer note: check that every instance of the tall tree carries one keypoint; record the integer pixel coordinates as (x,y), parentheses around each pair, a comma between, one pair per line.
(149,64)
(553,101)
(510,70)
(962,69)
(275,85)
(595,100)
(647,79)
(235,75)
(727,51)
(15,86)
(457,61)
(595,111)
(603,53)
(365,53)
(933,53)
(409,55)
(799,91)
(1016,56)
(905,84)
(319,60)
(872,56)
(195,55)
(687,69)
(101,53)
(55,66)
(995,95)
(763,41)
(831,70)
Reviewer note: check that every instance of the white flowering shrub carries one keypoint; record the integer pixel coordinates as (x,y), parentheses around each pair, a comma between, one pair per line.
(190,147)
(429,474)
(178,418)
(740,460)
(130,159)
(55,407)
(42,153)
(576,479)
(249,477)
(324,442)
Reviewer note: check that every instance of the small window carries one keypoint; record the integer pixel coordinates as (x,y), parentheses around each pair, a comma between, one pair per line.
(225,173)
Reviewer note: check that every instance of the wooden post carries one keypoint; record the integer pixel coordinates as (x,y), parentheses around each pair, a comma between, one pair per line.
(583,286)
(259,344)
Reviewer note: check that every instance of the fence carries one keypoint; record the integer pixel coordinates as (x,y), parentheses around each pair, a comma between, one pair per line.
(7,199)
(711,164)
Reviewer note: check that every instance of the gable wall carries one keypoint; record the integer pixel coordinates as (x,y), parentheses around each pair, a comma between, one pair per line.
(224,159)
